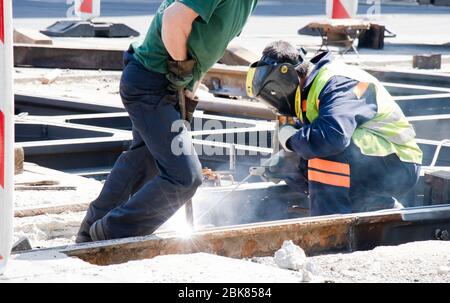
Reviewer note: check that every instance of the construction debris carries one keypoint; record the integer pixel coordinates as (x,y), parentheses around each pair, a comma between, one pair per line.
(21,245)
(51,76)
(290,256)
(214,178)
(48,196)
(427,61)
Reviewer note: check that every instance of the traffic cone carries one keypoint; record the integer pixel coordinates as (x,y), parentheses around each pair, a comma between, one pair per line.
(86,7)
(342,9)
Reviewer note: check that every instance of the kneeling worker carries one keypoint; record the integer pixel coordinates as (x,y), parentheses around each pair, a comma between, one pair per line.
(360,150)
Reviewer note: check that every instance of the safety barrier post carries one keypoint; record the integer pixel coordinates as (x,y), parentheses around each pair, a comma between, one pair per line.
(6,132)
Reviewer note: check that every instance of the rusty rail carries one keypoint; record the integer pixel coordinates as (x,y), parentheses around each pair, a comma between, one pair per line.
(319,235)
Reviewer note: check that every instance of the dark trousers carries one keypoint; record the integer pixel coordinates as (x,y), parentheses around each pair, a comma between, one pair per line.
(149,182)
(353,182)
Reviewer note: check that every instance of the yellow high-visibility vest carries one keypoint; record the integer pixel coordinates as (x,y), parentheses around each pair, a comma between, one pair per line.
(387,133)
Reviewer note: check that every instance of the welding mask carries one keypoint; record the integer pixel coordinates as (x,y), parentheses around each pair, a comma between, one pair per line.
(275,84)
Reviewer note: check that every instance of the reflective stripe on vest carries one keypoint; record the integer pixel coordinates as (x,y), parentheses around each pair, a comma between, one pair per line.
(388,132)
(402,133)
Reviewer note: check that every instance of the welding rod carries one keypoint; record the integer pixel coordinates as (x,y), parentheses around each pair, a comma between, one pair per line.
(189,211)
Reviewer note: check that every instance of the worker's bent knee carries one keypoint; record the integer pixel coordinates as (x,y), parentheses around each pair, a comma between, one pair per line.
(191,180)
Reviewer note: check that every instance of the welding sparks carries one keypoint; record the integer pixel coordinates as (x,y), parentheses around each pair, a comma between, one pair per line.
(179,224)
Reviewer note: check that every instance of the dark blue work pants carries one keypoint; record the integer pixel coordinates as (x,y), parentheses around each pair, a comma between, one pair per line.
(353,182)
(149,182)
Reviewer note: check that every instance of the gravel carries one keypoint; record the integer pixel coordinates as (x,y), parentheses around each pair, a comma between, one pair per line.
(427,261)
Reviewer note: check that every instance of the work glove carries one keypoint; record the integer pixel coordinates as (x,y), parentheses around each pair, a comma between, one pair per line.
(284,134)
(180,73)
(285,166)
(279,166)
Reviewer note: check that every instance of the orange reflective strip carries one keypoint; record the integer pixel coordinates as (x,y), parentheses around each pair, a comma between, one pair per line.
(318,103)
(330,179)
(360,89)
(304,106)
(330,166)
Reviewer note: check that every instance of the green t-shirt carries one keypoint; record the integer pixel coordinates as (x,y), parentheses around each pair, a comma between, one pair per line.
(218,23)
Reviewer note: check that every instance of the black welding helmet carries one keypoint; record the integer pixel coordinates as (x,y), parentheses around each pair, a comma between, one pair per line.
(276,84)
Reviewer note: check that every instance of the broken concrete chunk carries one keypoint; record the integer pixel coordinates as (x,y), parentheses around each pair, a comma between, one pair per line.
(290,256)
(51,76)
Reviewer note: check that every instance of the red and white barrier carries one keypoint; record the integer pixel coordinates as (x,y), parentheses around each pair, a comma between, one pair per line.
(341,9)
(87,9)
(6,132)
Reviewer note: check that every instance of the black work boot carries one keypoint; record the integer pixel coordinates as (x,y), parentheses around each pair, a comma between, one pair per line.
(96,231)
(83,233)
(92,215)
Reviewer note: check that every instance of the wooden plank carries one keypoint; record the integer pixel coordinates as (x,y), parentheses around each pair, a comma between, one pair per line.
(46,188)
(31,36)
(18,160)
(339,24)
(50,56)
(67,57)
(57,209)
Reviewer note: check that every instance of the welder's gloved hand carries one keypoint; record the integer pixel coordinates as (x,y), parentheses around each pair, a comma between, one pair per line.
(285,133)
(280,166)
(268,169)
(180,73)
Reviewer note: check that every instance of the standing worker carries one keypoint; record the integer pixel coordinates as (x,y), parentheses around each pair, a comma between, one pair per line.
(360,150)
(150,182)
